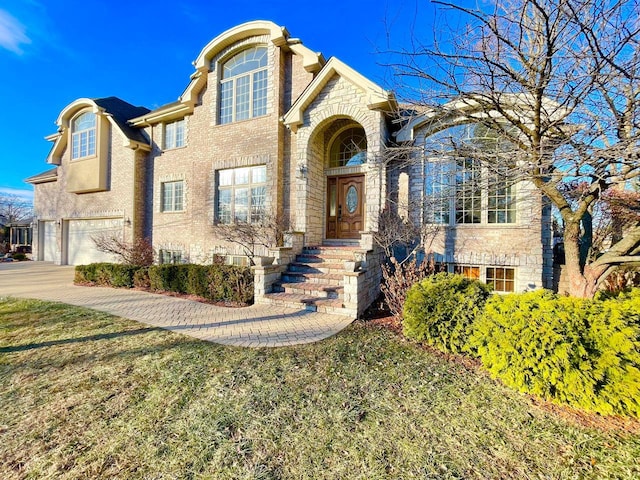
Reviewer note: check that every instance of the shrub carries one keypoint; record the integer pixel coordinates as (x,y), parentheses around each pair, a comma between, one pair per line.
(141,278)
(440,310)
(585,353)
(214,282)
(106,274)
(19,257)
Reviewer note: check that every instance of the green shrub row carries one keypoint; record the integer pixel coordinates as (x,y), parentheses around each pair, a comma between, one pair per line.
(106,274)
(216,282)
(583,353)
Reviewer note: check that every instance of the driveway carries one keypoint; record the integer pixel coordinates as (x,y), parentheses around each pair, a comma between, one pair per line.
(255,326)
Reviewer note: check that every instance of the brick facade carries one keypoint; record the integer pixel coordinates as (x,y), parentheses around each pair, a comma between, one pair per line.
(308,103)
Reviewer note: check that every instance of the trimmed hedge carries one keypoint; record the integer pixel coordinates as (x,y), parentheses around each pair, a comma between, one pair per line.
(441,309)
(228,283)
(106,274)
(584,353)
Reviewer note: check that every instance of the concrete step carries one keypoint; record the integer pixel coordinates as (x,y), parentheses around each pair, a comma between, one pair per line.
(310,289)
(331,251)
(316,267)
(314,304)
(317,278)
(321,257)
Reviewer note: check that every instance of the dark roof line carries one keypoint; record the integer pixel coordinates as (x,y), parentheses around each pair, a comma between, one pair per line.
(122,112)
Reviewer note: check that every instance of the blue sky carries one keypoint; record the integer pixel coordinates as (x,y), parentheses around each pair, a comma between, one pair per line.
(52,53)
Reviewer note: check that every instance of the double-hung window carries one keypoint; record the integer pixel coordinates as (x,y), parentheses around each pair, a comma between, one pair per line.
(174,134)
(170,256)
(244,86)
(83,136)
(173,196)
(242,193)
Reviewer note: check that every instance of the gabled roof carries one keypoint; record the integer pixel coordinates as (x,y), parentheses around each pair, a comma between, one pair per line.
(377,97)
(50,175)
(476,107)
(117,111)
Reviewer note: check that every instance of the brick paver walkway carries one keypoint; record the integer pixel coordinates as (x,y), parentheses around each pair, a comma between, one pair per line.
(255,326)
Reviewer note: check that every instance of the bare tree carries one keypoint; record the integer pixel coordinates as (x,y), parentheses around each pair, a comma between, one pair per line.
(140,252)
(268,232)
(557,83)
(14,208)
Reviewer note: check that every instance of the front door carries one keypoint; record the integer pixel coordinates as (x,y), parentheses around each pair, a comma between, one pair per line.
(345,206)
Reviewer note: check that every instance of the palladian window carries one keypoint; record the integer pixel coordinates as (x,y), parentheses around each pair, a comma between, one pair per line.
(243,89)
(83,136)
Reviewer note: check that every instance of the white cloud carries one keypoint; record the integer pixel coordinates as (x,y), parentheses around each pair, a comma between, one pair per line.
(23,193)
(12,33)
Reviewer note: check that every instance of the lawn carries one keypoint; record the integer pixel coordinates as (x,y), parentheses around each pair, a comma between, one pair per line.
(88,395)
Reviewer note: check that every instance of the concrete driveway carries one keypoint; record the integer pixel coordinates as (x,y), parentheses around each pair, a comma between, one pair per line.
(255,326)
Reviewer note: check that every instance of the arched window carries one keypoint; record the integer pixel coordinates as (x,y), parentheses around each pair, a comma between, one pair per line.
(349,148)
(243,88)
(83,135)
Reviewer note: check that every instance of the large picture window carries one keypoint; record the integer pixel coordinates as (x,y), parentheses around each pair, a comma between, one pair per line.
(244,86)
(461,190)
(242,194)
(173,196)
(83,136)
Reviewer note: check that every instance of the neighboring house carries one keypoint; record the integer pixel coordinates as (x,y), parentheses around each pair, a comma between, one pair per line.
(20,235)
(265,126)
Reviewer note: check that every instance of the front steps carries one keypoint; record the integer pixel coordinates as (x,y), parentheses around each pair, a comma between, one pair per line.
(315,280)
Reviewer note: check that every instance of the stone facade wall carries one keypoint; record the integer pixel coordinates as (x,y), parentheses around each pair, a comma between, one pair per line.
(524,245)
(339,99)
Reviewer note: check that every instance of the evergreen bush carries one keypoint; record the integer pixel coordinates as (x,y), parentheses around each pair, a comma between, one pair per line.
(584,353)
(215,282)
(441,309)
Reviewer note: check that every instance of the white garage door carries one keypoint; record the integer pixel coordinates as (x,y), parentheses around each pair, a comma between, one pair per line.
(81,249)
(49,244)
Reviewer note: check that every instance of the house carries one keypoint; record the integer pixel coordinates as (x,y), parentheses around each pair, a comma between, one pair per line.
(20,233)
(265,126)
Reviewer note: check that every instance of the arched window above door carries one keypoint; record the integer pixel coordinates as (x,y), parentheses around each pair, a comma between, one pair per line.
(349,148)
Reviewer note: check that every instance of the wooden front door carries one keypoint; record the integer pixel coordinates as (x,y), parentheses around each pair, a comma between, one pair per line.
(345,206)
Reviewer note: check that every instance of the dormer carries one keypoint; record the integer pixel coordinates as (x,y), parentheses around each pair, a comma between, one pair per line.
(83,140)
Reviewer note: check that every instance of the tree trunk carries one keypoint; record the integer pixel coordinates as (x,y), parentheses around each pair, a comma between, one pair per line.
(580,285)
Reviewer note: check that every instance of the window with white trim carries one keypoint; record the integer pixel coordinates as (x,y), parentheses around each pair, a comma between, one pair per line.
(501,200)
(244,86)
(172,196)
(174,134)
(170,256)
(460,190)
(83,136)
(438,192)
(242,194)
